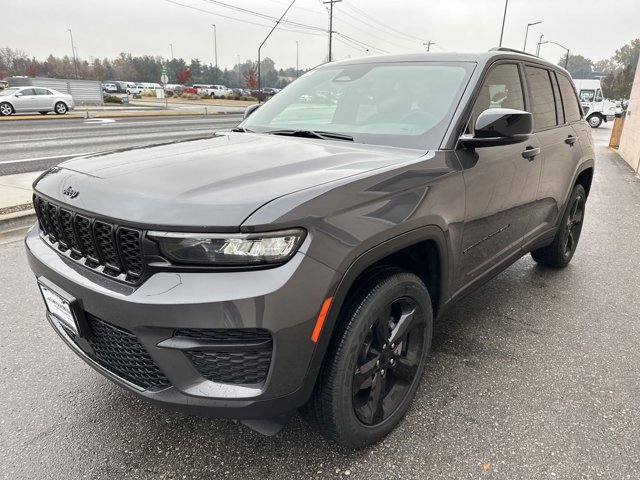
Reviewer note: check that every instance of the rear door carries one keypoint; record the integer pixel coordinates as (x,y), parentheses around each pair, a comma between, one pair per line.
(560,150)
(45,99)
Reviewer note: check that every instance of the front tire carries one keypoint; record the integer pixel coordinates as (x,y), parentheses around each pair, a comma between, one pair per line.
(376,359)
(6,109)
(564,244)
(594,120)
(60,108)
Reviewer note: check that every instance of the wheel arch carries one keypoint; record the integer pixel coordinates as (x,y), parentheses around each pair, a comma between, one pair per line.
(395,252)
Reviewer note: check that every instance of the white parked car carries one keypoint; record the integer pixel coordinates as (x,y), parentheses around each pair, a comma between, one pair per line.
(214,91)
(34,99)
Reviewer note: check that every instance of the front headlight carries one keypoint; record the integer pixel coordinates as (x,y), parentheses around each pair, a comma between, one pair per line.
(235,249)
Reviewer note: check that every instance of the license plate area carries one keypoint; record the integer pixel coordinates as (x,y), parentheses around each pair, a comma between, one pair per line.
(62,306)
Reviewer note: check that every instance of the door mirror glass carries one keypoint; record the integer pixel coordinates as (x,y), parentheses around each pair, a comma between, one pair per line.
(18,94)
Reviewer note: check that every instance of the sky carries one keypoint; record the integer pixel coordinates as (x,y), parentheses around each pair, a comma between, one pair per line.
(105,28)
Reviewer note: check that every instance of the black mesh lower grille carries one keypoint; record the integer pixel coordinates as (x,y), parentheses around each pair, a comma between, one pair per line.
(232,367)
(120,352)
(237,356)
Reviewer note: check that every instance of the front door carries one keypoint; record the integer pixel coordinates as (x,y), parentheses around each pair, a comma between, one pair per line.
(26,100)
(500,183)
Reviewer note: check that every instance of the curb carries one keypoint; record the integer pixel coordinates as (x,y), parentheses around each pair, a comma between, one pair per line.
(151,114)
(17,220)
(40,117)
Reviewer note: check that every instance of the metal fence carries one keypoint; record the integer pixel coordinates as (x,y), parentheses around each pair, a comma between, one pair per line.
(82,91)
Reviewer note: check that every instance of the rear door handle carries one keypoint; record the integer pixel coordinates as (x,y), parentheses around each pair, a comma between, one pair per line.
(570,140)
(531,152)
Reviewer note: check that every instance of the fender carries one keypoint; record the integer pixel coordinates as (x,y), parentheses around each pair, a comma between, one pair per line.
(357,267)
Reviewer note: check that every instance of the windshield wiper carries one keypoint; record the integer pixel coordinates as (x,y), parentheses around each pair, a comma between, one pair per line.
(242,130)
(312,134)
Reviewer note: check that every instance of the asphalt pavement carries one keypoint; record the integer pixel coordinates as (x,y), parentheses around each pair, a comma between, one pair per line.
(533,376)
(32,145)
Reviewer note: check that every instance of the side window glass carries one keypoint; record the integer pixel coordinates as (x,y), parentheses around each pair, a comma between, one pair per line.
(598,95)
(569,99)
(28,91)
(42,91)
(558,99)
(501,89)
(543,105)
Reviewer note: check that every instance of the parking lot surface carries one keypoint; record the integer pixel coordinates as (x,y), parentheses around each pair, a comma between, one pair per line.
(533,376)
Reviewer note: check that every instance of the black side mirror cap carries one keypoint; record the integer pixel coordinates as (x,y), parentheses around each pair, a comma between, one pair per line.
(251,108)
(500,126)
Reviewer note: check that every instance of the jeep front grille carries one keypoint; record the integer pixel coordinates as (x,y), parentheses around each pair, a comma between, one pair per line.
(106,247)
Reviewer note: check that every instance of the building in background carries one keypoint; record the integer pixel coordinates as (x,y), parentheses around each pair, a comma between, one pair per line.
(630,140)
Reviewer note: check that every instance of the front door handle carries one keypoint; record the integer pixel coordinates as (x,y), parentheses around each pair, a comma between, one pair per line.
(530,152)
(570,140)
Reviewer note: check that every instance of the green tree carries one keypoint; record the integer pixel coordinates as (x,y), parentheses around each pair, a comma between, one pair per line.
(578,66)
(628,55)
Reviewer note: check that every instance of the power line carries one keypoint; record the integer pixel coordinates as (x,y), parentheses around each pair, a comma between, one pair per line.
(363,44)
(368,32)
(382,25)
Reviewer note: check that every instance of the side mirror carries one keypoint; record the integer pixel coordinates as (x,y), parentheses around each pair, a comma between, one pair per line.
(18,94)
(251,108)
(500,126)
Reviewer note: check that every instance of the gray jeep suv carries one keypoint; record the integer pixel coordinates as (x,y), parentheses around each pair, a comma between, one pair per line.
(298,261)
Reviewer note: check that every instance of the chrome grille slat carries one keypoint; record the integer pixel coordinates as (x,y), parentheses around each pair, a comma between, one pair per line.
(106,247)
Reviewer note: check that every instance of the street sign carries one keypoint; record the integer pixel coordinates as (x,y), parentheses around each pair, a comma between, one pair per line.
(163,70)
(164,79)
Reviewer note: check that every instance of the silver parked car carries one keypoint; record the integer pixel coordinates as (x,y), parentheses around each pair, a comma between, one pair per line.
(34,99)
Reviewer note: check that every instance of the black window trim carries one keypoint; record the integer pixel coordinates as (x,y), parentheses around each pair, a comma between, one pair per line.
(542,67)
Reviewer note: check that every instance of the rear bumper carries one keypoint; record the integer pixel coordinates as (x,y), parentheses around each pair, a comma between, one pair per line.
(282,301)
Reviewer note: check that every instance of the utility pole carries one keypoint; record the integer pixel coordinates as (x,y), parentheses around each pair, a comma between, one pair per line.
(428,44)
(73,49)
(171,45)
(297,69)
(331,2)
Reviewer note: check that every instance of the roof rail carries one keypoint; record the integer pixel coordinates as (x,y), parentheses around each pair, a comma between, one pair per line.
(513,50)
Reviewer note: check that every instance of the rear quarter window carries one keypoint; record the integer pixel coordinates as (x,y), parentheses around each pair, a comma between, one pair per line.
(569,99)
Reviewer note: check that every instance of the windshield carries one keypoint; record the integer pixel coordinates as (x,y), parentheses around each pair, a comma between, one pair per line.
(8,91)
(404,104)
(587,95)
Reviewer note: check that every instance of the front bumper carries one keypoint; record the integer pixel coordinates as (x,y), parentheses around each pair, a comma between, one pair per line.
(283,301)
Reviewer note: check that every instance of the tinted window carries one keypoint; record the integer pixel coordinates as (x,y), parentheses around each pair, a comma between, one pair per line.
(569,99)
(403,104)
(42,91)
(501,89)
(542,105)
(28,91)
(558,99)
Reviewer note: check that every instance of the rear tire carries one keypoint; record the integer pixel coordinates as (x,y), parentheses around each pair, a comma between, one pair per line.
(375,361)
(60,108)
(564,244)
(6,109)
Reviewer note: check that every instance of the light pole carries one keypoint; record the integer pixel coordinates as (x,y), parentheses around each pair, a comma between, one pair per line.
(215,47)
(171,45)
(504,18)
(297,69)
(265,40)
(526,34)
(566,60)
(539,43)
(73,50)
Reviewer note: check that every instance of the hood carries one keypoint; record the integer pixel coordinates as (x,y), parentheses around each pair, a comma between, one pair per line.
(213,183)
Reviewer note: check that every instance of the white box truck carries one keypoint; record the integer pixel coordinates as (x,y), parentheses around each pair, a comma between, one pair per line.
(596,109)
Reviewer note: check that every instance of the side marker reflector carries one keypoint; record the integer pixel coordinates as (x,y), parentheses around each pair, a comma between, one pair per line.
(320,321)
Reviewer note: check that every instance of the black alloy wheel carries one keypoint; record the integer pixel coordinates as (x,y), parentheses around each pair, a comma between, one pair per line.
(375,360)
(388,361)
(560,252)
